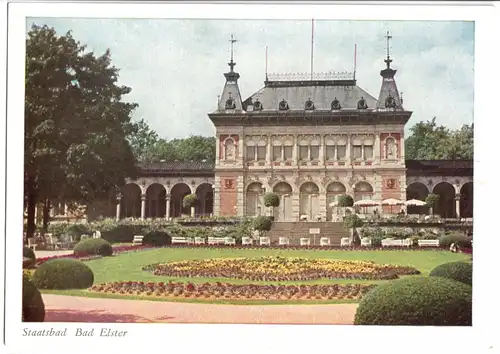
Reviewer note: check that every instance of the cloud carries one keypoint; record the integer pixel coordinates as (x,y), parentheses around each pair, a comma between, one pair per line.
(175,67)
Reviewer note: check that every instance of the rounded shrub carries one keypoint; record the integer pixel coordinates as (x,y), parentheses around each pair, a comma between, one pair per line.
(33,306)
(457,238)
(28,253)
(93,246)
(157,238)
(345,200)
(429,301)
(262,223)
(459,271)
(271,200)
(190,201)
(63,274)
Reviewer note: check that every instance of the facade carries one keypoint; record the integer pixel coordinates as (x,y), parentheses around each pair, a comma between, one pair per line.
(308,139)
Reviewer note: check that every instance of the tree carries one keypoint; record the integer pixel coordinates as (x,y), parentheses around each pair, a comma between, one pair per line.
(271,200)
(76,125)
(428,141)
(431,201)
(345,200)
(190,201)
(262,224)
(143,140)
(352,222)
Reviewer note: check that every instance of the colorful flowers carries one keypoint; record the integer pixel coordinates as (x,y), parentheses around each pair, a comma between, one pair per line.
(237,291)
(280,269)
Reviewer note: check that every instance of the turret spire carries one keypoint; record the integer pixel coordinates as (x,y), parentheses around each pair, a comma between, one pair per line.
(232,63)
(388,61)
(230,100)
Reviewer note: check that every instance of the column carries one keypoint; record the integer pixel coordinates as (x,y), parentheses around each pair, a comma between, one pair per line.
(118,205)
(294,150)
(65,209)
(335,148)
(321,150)
(376,150)
(363,151)
(167,208)
(348,150)
(457,204)
(268,150)
(402,148)
(217,149)
(143,206)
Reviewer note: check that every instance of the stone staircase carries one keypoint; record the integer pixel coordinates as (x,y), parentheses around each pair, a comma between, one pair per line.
(296,230)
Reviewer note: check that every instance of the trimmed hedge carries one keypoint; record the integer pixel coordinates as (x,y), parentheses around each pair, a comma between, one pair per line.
(262,223)
(455,237)
(63,273)
(33,306)
(157,238)
(459,271)
(93,246)
(29,253)
(429,301)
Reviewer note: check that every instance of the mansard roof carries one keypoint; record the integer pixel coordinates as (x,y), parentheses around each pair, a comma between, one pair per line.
(313,95)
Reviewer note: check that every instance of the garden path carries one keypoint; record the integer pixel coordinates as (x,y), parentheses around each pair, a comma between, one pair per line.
(61,308)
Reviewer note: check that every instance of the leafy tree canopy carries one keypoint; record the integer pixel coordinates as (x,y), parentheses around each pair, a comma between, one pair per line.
(429,141)
(76,123)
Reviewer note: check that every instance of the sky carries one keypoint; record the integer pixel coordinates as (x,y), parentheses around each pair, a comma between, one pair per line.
(175,67)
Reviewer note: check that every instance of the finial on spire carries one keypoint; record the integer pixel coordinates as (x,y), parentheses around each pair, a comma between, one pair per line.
(388,61)
(232,63)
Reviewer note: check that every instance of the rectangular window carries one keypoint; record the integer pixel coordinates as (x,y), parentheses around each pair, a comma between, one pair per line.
(288,152)
(356,151)
(250,152)
(276,153)
(368,152)
(304,152)
(315,152)
(261,153)
(330,152)
(341,152)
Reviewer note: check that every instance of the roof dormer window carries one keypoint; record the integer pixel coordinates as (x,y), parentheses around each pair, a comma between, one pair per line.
(283,106)
(230,104)
(336,104)
(309,105)
(257,106)
(362,104)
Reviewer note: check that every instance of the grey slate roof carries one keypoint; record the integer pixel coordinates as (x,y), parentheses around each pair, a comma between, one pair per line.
(181,166)
(297,93)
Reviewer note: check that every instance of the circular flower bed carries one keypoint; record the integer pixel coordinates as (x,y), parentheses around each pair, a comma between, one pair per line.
(280,269)
(236,291)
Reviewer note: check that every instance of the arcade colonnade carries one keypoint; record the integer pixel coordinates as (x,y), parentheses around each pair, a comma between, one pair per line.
(455,197)
(163,200)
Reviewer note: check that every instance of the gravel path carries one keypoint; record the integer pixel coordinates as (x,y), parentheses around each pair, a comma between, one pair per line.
(60,308)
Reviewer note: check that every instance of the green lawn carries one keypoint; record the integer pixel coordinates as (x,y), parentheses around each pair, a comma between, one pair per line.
(128,266)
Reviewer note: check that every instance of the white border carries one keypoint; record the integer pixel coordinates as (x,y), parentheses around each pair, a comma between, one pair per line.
(265,339)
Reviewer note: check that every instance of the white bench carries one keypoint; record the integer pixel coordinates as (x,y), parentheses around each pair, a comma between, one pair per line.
(138,240)
(32,243)
(305,241)
(303,218)
(428,243)
(324,241)
(344,242)
(199,240)
(265,241)
(96,234)
(366,242)
(389,242)
(216,241)
(246,241)
(284,241)
(407,242)
(229,241)
(182,240)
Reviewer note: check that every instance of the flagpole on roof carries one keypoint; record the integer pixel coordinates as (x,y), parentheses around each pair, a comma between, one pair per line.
(312,47)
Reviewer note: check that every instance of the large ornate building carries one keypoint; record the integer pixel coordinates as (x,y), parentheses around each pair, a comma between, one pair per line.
(308,139)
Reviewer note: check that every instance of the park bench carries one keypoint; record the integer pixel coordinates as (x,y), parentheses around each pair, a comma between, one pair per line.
(407,242)
(216,241)
(428,243)
(344,242)
(96,234)
(138,239)
(324,241)
(366,242)
(264,241)
(182,240)
(305,241)
(229,241)
(246,241)
(199,240)
(32,243)
(284,241)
